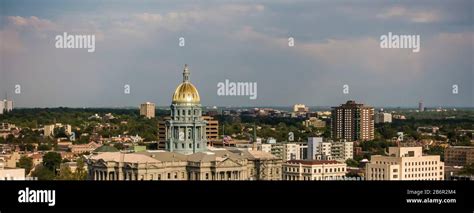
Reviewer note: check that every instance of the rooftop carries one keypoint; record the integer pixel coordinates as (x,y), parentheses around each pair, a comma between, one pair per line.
(313,162)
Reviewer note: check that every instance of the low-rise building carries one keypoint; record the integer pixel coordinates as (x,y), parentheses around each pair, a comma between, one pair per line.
(218,164)
(82,148)
(314,122)
(8,173)
(313,170)
(382,117)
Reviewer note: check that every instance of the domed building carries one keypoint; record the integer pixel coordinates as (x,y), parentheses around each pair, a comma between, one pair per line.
(186,131)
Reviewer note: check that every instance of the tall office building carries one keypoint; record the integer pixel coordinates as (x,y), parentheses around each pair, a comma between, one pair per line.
(186,131)
(353,122)
(148,110)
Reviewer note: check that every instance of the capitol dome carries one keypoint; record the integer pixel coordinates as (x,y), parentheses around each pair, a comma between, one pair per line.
(186,93)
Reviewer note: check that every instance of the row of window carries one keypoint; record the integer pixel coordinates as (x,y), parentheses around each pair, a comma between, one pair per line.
(308,170)
(422,169)
(296,177)
(423,163)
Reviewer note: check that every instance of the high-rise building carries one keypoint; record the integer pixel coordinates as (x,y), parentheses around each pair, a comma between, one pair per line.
(405,163)
(6,106)
(186,131)
(319,150)
(421,108)
(291,151)
(212,129)
(313,144)
(148,110)
(352,122)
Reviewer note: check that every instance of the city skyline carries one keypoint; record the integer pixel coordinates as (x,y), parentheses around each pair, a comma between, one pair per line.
(335,45)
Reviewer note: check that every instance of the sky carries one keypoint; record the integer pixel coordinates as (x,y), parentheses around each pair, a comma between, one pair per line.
(336,43)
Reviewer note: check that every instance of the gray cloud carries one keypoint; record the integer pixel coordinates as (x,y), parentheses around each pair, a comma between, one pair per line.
(336,43)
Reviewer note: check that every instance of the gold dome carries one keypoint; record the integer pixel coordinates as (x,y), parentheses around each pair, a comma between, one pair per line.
(186,92)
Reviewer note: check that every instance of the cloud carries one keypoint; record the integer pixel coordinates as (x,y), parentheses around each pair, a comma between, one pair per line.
(31,22)
(410,15)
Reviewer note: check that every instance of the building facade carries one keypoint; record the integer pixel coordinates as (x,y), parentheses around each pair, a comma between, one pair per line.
(329,150)
(162,165)
(212,131)
(383,117)
(313,170)
(10,173)
(148,110)
(405,163)
(459,155)
(6,106)
(353,122)
(314,122)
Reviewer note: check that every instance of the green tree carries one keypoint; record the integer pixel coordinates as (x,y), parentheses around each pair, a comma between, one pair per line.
(467,170)
(81,173)
(65,173)
(52,161)
(43,173)
(25,163)
(352,163)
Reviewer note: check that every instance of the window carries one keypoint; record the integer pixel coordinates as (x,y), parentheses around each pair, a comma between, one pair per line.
(190,145)
(169,175)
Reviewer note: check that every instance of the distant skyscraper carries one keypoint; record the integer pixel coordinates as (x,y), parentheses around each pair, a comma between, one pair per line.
(6,106)
(147,109)
(421,108)
(353,122)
